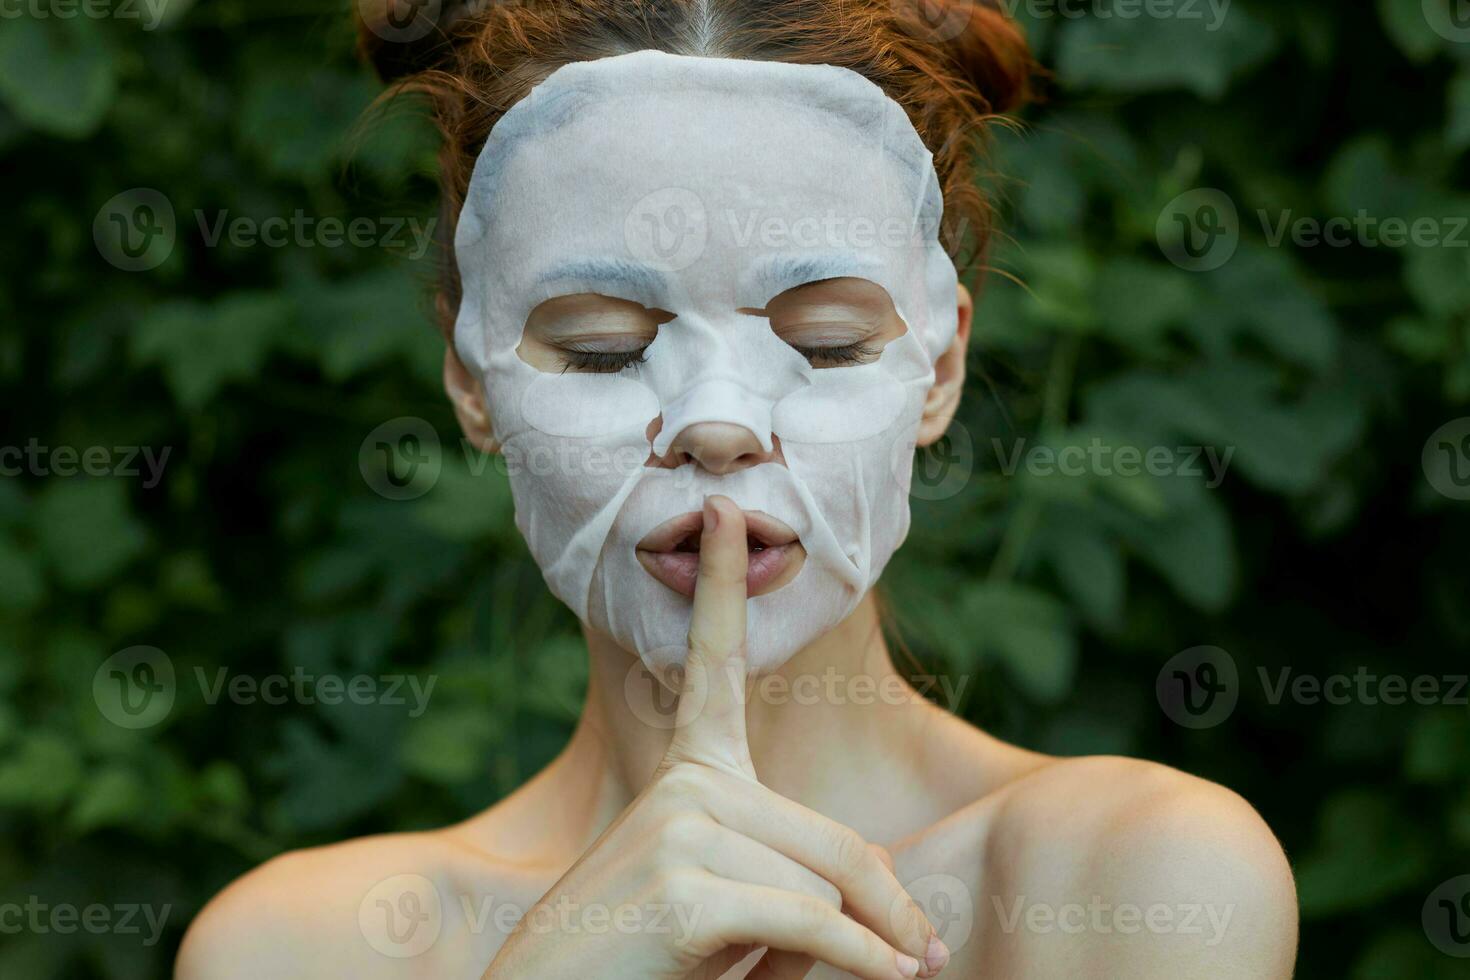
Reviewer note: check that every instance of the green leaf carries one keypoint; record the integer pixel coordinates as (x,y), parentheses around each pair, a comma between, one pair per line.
(86,530)
(1409,28)
(111,798)
(1457,129)
(448,744)
(202,348)
(21,584)
(1367,850)
(1028,631)
(41,774)
(1151,54)
(58,74)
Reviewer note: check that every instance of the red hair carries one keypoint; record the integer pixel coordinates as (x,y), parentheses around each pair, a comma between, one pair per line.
(954,65)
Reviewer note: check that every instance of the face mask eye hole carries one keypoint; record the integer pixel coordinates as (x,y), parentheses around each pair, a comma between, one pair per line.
(589,333)
(834,323)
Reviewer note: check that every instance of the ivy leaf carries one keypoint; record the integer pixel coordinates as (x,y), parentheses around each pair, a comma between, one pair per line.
(58,74)
(1366,851)
(1150,54)
(203,347)
(1457,129)
(1028,631)
(1410,28)
(86,530)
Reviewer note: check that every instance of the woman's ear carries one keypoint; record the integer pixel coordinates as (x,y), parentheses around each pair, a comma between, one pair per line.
(468,399)
(949,377)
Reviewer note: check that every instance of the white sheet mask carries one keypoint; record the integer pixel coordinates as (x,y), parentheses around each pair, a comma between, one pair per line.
(701,187)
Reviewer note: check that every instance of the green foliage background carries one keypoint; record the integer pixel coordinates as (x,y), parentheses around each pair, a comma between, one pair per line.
(263,549)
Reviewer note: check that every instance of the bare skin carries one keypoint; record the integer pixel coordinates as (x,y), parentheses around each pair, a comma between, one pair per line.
(1027,865)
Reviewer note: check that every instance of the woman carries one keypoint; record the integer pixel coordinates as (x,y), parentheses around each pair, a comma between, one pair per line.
(700,300)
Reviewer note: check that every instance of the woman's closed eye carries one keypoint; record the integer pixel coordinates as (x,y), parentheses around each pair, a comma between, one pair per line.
(587,333)
(593,358)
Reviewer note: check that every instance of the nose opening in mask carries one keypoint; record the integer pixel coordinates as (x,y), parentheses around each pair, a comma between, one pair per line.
(715,400)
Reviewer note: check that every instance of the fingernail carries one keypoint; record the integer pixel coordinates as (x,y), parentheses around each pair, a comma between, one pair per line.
(711,516)
(936,956)
(907,965)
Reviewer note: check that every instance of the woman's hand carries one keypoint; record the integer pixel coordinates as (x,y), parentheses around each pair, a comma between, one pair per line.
(722,864)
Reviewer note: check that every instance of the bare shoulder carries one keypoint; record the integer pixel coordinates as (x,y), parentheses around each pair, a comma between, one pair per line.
(391,906)
(1132,868)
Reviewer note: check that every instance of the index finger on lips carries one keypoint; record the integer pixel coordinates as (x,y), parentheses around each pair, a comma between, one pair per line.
(711,719)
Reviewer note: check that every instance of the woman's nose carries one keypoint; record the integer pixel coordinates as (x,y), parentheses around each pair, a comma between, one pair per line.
(717,447)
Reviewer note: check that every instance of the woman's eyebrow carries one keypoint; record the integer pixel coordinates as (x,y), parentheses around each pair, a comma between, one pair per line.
(781,272)
(606,272)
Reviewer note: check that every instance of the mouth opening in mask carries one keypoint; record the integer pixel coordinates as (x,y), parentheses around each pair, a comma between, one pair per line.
(670,553)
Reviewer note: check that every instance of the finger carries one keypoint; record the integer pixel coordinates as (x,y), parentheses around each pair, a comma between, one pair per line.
(739,858)
(736,913)
(870,891)
(778,964)
(710,725)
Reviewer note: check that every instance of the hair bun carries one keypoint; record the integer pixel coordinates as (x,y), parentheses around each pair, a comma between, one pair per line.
(985,45)
(403,37)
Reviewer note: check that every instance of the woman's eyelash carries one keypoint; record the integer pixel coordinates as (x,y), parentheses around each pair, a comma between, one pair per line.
(599,361)
(858,353)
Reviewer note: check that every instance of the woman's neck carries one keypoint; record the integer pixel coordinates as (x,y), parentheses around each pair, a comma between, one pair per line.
(835,729)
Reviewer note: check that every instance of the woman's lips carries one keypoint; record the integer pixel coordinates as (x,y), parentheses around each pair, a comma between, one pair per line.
(670,553)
